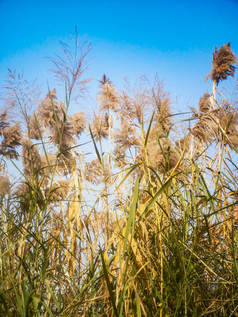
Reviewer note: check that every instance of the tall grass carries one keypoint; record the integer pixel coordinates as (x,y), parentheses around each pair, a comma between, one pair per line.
(146,228)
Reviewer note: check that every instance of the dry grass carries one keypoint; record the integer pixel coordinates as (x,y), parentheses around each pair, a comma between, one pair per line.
(147,228)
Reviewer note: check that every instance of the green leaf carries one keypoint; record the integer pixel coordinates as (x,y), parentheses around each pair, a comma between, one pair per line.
(109,287)
(148,131)
(95,146)
(132,214)
(156,196)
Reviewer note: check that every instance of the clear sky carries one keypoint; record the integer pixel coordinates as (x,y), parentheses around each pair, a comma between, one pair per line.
(174,39)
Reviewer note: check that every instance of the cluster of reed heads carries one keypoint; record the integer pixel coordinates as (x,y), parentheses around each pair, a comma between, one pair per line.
(143,222)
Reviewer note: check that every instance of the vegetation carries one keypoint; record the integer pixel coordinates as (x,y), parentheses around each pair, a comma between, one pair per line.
(148,227)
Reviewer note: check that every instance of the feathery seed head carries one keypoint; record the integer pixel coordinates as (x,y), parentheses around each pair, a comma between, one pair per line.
(63,132)
(11,139)
(30,157)
(47,164)
(126,136)
(161,157)
(78,122)
(100,126)
(3,121)
(94,172)
(49,110)
(4,185)
(58,190)
(105,80)
(204,104)
(108,97)
(35,127)
(223,64)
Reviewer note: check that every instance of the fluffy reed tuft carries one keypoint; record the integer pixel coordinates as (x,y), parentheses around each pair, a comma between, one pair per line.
(127,106)
(11,140)
(183,143)
(162,157)
(64,132)
(162,105)
(100,126)
(223,64)
(219,124)
(205,104)
(35,127)
(47,164)
(78,122)
(108,97)
(49,110)
(3,121)
(205,129)
(30,157)
(58,190)
(126,136)
(4,185)
(95,173)
(161,154)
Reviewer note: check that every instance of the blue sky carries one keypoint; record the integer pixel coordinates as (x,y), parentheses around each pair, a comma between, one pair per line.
(174,39)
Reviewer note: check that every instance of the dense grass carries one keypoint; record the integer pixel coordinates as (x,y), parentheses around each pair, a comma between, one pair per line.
(147,228)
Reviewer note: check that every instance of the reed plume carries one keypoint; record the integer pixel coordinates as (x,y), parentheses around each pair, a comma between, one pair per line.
(58,191)
(161,154)
(49,110)
(100,126)
(127,107)
(3,121)
(108,97)
(30,158)
(12,138)
(4,185)
(95,173)
(126,136)
(35,127)
(161,101)
(48,163)
(205,104)
(216,124)
(78,122)
(70,65)
(223,64)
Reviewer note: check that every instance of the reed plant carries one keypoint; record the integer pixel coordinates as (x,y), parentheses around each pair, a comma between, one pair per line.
(147,227)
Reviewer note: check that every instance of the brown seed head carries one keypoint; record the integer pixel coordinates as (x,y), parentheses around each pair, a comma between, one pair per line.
(58,190)
(4,185)
(49,110)
(223,64)
(108,97)
(126,136)
(161,157)
(161,154)
(183,143)
(63,133)
(204,104)
(205,129)
(94,173)
(105,80)
(11,139)
(47,166)
(100,126)
(30,157)
(35,127)
(3,122)
(78,122)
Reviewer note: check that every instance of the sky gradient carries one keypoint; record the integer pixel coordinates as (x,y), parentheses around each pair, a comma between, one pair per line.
(174,39)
